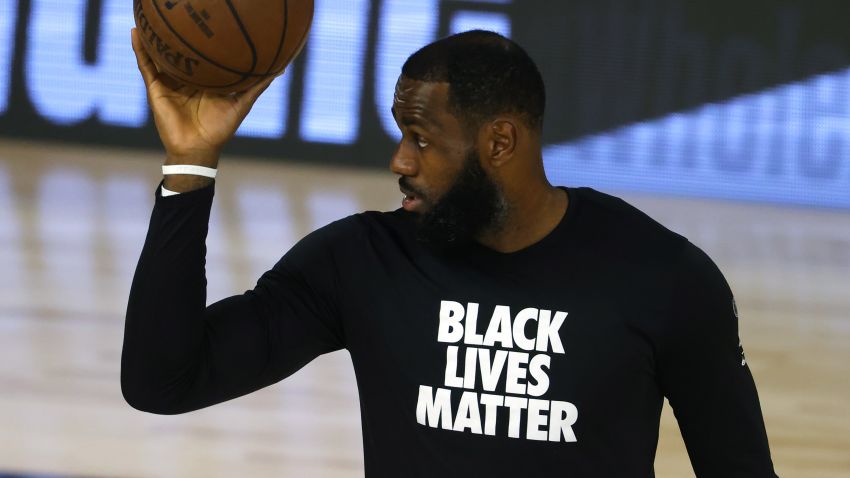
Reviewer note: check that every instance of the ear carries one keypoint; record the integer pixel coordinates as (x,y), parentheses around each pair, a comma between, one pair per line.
(499,141)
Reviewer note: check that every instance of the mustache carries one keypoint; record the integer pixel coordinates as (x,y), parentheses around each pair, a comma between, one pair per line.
(404,184)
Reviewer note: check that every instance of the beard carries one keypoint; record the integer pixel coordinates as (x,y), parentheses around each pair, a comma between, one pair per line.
(472,205)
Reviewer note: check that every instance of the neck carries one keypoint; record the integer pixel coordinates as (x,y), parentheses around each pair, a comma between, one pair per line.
(532,213)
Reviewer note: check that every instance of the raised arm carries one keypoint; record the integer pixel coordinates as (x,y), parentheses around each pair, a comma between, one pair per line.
(180,355)
(704,375)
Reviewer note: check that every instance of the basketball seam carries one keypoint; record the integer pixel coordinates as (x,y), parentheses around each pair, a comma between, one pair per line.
(282,37)
(189,46)
(244,34)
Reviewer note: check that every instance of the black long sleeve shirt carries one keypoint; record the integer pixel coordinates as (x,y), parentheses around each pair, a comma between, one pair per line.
(550,361)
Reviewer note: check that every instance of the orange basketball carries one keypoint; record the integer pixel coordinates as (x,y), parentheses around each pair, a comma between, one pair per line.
(223,46)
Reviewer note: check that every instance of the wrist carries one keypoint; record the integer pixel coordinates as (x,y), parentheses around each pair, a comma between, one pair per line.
(204,158)
(183,183)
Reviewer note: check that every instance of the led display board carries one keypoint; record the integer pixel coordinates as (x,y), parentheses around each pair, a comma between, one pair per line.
(743,100)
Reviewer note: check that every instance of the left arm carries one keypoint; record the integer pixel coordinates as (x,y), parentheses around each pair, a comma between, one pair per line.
(703,374)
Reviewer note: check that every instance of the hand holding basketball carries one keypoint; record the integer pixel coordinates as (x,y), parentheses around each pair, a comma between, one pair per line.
(205,63)
(193,125)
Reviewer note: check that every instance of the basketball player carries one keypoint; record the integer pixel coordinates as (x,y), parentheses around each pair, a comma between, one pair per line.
(499,326)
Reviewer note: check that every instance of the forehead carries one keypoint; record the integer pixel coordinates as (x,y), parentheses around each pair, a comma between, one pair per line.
(421,101)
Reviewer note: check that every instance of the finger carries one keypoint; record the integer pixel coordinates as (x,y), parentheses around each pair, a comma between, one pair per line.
(249,96)
(146,65)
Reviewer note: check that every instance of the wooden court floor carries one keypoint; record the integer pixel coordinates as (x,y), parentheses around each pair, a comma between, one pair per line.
(72,223)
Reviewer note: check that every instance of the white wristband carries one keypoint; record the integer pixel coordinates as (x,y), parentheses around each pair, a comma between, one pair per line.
(189,169)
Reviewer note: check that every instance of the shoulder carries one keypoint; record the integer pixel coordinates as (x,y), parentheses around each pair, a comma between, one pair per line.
(613,212)
(367,223)
(617,225)
(698,278)
(619,220)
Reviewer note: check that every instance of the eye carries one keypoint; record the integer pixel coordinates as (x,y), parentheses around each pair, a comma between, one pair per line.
(421,142)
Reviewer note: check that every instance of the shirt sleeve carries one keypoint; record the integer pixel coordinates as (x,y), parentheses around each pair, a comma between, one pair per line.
(180,355)
(703,373)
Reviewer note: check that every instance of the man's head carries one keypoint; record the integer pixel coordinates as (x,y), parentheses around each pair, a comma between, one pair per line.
(467,105)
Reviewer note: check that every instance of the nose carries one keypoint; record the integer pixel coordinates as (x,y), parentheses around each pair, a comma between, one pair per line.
(403,162)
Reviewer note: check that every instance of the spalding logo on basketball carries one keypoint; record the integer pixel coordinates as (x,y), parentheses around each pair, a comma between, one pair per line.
(222,46)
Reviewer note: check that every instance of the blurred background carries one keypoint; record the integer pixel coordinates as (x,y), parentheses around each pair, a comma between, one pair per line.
(727,122)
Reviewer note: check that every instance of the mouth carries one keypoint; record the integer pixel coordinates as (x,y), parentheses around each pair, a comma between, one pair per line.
(410,201)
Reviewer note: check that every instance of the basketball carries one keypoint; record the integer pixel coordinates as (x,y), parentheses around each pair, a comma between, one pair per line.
(222,46)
